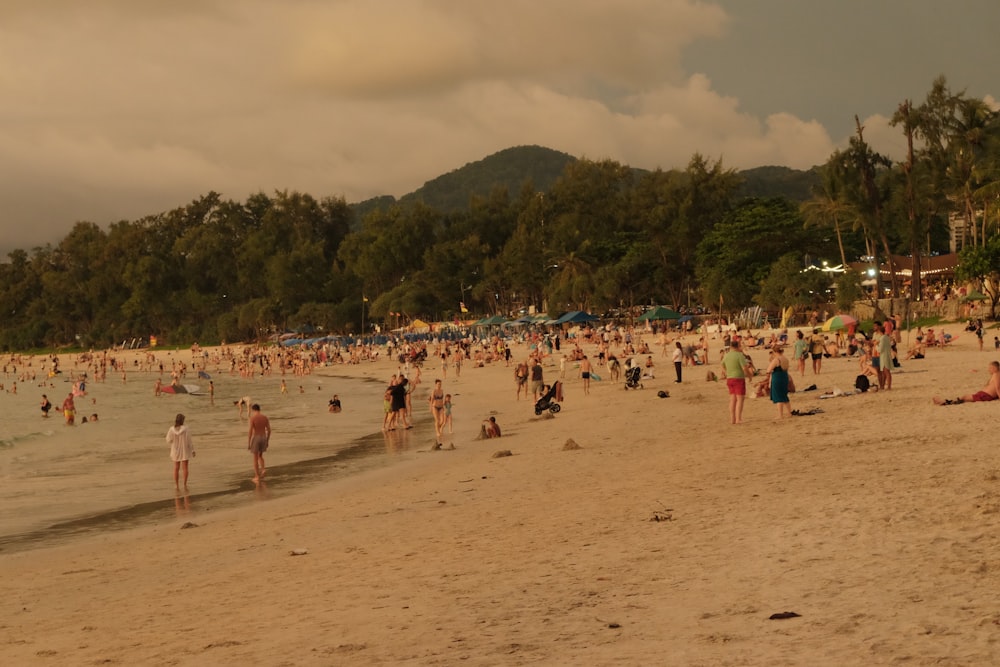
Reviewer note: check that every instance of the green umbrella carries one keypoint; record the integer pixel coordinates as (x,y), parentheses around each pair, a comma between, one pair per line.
(975,295)
(660,313)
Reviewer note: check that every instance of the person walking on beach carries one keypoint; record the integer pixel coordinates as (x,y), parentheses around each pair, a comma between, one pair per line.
(800,351)
(437,409)
(536,379)
(397,392)
(585,369)
(181,448)
(69,410)
(447,414)
(258,440)
(816,350)
(521,379)
(884,358)
(678,359)
(736,369)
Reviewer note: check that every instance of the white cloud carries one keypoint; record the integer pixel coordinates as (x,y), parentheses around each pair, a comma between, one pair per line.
(120,108)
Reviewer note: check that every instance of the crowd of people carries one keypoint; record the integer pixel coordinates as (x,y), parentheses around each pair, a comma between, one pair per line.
(592,352)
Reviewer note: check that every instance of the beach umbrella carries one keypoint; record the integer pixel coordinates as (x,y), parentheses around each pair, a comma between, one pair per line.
(659,313)
(838,322)
(576,317)
(975,295)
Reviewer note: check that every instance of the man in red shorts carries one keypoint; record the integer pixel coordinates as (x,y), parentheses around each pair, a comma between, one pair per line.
(988,393)
(736,368)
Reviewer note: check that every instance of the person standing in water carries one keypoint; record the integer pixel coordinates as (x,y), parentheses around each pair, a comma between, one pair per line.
(258,440)
(181,448)
(69,409)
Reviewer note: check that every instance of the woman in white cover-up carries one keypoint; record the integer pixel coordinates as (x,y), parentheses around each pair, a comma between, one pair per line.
(181,448)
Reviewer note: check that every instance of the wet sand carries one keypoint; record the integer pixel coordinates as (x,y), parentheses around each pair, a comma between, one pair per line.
(668,537)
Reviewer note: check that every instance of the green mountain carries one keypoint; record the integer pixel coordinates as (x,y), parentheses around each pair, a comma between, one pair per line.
(509,168)
(512,167)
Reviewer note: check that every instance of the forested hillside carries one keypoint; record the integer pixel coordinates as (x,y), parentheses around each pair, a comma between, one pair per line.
(526,227)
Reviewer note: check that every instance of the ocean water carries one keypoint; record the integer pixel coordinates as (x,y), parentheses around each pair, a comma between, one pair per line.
(58,482)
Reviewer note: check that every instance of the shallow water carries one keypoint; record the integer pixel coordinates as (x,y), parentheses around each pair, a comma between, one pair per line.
(58,482)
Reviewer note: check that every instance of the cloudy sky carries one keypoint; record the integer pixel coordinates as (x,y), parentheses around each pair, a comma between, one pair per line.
(115,109)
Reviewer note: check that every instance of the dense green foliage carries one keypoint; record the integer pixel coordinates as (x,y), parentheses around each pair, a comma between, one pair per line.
(513,232)
(764,182)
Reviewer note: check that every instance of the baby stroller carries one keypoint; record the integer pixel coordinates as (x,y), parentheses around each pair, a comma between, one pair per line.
(548,401)
(633,377)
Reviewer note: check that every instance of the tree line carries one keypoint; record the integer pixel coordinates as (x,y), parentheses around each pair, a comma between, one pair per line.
(602,237)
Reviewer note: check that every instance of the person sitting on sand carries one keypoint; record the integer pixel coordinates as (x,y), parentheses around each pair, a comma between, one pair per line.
(648,373)
(988,393)
(866,365)
(490,428)
(917,351)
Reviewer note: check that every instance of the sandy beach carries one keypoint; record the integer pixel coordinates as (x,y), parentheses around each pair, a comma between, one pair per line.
(667,537)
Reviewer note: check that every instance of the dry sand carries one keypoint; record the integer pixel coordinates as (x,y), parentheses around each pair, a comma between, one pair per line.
(876,521)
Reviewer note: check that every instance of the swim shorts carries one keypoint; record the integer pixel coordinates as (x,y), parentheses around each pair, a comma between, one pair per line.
(258,444)
(737,386)
(982,396)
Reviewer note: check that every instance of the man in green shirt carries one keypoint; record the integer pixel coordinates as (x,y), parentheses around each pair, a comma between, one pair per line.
(736,368)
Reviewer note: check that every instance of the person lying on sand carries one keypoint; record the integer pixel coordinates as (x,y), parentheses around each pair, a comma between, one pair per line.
(988,393)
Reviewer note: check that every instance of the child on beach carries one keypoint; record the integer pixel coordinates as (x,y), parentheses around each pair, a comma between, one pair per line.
(447,413)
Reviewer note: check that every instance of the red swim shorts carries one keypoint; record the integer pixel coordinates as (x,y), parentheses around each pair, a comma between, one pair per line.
(982,396)
(737,386)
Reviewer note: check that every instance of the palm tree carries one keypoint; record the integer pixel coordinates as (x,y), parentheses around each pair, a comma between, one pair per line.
(827,208)
(573,281)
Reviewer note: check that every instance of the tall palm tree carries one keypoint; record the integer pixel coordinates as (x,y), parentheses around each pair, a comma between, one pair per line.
(827,208)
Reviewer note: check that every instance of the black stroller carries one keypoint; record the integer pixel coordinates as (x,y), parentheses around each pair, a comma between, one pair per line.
(633,377)
(548,400)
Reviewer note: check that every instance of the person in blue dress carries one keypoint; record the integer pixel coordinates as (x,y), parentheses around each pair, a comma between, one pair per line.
(778,372)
